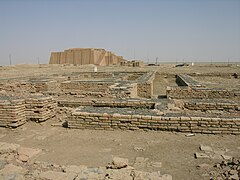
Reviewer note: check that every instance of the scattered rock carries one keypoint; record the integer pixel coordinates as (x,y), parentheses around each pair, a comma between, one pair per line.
(234,177)
(139,149)
(118,163)
(201,155)
(23,158)
(225,157)
(232,172)
(190,135)
(205,148)
(229,169)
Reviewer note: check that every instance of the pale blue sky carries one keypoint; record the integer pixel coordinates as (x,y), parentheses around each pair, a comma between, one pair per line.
(193,30)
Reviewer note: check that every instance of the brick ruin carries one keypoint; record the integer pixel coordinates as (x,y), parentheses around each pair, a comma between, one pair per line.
(104,121)
(132,63)
(118,86)
(17,111)
(12,112)
(122,100)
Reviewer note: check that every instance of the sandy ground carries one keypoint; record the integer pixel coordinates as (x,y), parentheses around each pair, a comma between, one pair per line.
(96,148)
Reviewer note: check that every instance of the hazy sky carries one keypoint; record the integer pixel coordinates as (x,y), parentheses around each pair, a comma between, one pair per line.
(193,30)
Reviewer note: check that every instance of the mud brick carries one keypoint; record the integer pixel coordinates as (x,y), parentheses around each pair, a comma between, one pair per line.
(125,116)
(164,118)
(184,118)
(136,117)
(147,117)
(174,118)
(103,118)
(156,118)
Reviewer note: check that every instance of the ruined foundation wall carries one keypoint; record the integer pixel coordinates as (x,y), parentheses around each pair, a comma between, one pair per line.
(200,93)
(205,106)
(12,112)
(104,103)
(85,120)
(15,111)
(145,85)
(186,80)
(93,86)
(40,109)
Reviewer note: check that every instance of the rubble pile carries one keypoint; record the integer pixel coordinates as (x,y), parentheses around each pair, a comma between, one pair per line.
(228,169)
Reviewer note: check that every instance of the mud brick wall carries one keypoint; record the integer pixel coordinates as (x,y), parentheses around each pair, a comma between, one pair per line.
(200,93)
(17,88)
(124,90)
(95,75)
(96,103)
(205,106)
(186,80)
(94,86)
(87,88)
(98,121)
(40,108)
(145,85)
(123,104)
(12,112)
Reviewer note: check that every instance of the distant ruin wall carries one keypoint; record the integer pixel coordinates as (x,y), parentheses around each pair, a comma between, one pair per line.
(145,85)
(99,89)
(93,86)
(186,80)
(200,93)
(132,63)
(83,56)
(208,125)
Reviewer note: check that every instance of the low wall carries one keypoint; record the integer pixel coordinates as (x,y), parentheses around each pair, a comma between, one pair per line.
(40,108)
(98,121)
(12,112)
(205,106)
(186,80)
(87,88)
(94,86)
(200,93)
(95,75)
(118,104)
(15,111)
(123,90)
(145,85)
